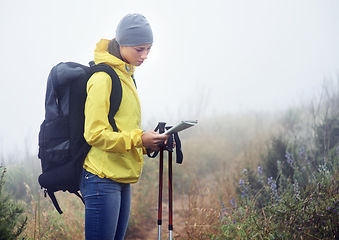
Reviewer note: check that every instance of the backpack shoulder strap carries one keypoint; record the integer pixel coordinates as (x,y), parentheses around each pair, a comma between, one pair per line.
(116,93)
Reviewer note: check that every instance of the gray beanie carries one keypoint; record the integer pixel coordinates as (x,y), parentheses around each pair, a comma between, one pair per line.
(134,30)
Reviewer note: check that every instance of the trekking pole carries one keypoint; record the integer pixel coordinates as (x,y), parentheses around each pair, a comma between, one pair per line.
(179,158)
(161,170)
(170,197)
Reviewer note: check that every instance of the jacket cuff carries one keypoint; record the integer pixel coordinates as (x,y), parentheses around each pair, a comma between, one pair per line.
(136,138)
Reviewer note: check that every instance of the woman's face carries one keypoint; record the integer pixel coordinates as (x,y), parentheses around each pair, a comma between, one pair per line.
(135,55)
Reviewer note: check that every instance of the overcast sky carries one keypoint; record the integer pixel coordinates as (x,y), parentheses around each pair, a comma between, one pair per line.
(208,58)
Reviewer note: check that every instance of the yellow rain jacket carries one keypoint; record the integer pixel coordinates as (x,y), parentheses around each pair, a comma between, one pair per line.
(114,155)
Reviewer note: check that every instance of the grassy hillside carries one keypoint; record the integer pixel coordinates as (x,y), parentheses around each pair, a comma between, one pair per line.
(247,175)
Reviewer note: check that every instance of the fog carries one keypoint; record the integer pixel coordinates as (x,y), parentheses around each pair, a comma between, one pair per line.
(209,58)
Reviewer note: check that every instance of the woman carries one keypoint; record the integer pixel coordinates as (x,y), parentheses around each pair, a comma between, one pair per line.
(116,158)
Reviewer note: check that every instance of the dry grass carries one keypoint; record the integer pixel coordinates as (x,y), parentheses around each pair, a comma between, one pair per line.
(214,153)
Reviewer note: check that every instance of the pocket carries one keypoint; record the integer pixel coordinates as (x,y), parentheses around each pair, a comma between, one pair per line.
(89,185)
(89,175)
(54,143)
(84,182)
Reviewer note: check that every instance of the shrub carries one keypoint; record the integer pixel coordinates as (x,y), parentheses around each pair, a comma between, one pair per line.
(12,223)
(283,209)
(327,134)
(315,216)
(275,152)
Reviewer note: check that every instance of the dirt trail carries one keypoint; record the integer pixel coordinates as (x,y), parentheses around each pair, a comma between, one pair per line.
(178,222)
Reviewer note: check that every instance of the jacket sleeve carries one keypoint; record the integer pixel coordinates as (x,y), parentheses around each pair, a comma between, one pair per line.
(98,131)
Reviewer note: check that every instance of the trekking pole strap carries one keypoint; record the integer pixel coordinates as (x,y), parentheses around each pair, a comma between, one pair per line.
(180,155)
(169,147)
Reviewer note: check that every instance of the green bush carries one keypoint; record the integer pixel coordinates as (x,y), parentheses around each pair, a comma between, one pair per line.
(314,216)
(287,216)
(295,194)
(12,223)
(327,134)
(298,204)
(275,152)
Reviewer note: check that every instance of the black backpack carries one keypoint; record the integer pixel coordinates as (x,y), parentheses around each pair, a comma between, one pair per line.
(62,147)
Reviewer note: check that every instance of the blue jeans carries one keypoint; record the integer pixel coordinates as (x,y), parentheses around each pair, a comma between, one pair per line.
(107,207)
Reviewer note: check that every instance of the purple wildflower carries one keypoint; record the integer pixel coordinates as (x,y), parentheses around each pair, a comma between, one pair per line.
(223,210)
(241,183)
(233,203)
(289,158)
(301,152)
(273,186)
(296,189)
(260,173)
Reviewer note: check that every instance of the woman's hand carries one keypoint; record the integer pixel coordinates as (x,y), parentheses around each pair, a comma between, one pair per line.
(152,140)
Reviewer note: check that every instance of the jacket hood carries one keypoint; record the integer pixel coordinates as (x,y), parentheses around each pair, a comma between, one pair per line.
(101,55)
